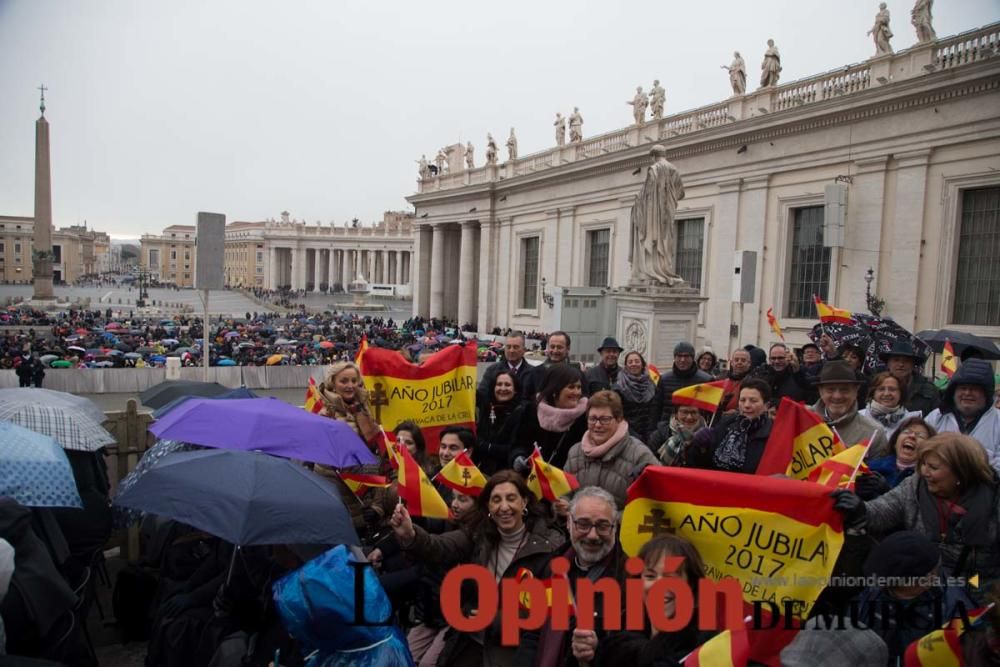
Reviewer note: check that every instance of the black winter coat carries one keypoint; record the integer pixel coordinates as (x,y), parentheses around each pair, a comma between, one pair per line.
(669,383)
(555,446)
(496,437)
(701,452)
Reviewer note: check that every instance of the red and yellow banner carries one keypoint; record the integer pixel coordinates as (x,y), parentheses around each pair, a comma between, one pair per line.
(314,403)
(773,321)
(705,396)
(729,648)
(362,348)
(832,314)
(949,362)
(838,470)
(437,393)
(414,487)
(548,482)
(942,647)
(462,475)
(800,440)
(779,537)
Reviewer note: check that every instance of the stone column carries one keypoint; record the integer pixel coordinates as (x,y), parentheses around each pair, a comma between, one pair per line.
(900,284)
(487,275)
(331,268)
(345,268)
(41,251)
(437,271)
(467,274)
(399,267)
(272,268)
(299,268)
(370,267)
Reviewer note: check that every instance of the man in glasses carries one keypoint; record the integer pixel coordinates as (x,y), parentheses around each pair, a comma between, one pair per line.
(594,553)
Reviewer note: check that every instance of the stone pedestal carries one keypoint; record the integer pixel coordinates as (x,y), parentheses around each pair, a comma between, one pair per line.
(651,320)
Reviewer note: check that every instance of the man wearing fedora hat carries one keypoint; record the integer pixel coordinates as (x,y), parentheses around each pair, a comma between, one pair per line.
(903,363)
(605,374)
(838,385)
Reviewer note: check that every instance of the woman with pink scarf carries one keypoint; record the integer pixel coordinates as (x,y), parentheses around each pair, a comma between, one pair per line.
(608,456)
(555,420)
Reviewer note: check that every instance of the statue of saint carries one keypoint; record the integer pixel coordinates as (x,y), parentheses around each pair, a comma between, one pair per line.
(639,105)
(575,126)
(512,146)
(922,19)
(771,67)
(880,32)
(469,161)
(424,168)
(737,74)
(653,243)
(491,149)
(657,99)
(440,160)
(560,126)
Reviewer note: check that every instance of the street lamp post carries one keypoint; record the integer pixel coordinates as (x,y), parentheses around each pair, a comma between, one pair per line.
(874,303)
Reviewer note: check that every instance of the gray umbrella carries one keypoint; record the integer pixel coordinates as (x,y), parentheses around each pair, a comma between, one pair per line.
(38,396)
(243,498)
(67,426)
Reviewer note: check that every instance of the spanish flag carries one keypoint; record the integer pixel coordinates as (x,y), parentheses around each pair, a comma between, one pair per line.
(359,483)
(362,348)
(838,470)
(314,403)
(654,373)
(548,482)
(942,647)
(778,537)
(729,648)
(524,600)
(414,487)
(705,396)
(800,440)
(462,475)
(773,321)
(949,362)
(439,392)
(830,314)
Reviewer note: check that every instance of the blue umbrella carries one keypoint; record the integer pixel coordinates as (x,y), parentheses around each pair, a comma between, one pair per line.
(34,469)
(124,517)
(243,498)
(226,362)
(239,392)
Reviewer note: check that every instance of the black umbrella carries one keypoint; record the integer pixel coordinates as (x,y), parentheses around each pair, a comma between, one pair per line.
(871,334)
(124,347)
(159,395)
(960,341)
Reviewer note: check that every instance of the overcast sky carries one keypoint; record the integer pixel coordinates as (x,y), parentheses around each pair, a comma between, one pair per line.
(161,109)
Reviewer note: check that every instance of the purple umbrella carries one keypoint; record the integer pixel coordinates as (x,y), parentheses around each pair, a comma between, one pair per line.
(267,425)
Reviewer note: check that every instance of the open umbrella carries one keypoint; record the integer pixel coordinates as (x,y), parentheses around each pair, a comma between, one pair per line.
(239,392)
(69,427)
(38,396)
(170,341)
(225,362)
(159,395)
(113,325)
(75,348)
(275,359)
(267,425)
(325,344)
(960,342)
(232,334)
(34,470)
(48,358)
(133,355)
(243,498)
(62,363)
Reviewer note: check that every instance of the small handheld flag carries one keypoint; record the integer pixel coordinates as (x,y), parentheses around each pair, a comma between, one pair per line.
(705,396)
(829,314)
(654,373)
(358,483)
(775,326)
(726,649)
(461,474)
(548,482)
(949,362)
(362,348)
(942,647)
(413,485)
(314,403)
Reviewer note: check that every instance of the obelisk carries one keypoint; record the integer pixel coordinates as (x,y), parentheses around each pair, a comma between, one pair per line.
(41,254)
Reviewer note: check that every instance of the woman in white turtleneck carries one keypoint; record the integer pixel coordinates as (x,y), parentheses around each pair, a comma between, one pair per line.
(509,534)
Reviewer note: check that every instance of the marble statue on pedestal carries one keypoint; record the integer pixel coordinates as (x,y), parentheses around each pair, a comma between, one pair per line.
(771,66)
(922,19)
(737,74)
(469,157)
(424,168)
(575,126)
(560,126)
(880,32)
(491,149)
(512,146)
(657,99)
(440,160)
(653,242)
(639,105)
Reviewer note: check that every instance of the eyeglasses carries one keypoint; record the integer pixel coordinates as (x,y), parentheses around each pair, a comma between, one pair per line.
(584,526)
(919,435)
(600,420)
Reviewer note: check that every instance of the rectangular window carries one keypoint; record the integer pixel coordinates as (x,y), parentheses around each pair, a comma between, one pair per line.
(810,267)
(599,255)
(529,273)
(260,257)
(173,254)
(57,253)
(17,248)
(690,243)
(977,279)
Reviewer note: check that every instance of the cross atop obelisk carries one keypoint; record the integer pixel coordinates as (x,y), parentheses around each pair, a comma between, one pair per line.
(41,253)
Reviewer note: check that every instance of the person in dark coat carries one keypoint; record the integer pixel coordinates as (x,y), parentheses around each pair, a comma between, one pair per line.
(605,374)
(683,374)
(638,394)
(513,361)
(557,350)
(784,376)
(737,443)
(23,372)
(555,421)
(37,373)
(498,423)
(87,530)
(903,362)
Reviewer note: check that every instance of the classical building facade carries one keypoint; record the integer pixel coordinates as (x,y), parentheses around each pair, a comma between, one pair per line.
(892,164)
(77,251)
(288,253)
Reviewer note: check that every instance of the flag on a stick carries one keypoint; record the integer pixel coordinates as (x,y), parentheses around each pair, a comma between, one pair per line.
(942,647)
(705,396)
(838,471)
(462,475)
(414,487)
(729,648)
(362,348)
(548,482)
(800,440)
(830,314)
(773,321)
(654,373)
(314,403)
(358,483)
(949,362)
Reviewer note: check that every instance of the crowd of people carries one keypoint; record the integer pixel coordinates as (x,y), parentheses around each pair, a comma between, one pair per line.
(927,511)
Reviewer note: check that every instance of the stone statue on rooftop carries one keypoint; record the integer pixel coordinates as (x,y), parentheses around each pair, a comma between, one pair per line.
(657,100)
(880,32)
(424,168)
(512,146)
(639,105)
(560,126)
(737,74)
(922,19)
(469,158)
(771,66)
(440,160)
(653,242)
(491,149)
(575,126)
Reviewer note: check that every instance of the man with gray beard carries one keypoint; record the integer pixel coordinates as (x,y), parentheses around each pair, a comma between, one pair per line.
(592,523)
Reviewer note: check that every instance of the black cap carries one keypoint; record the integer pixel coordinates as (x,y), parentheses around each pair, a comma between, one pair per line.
(611,344)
